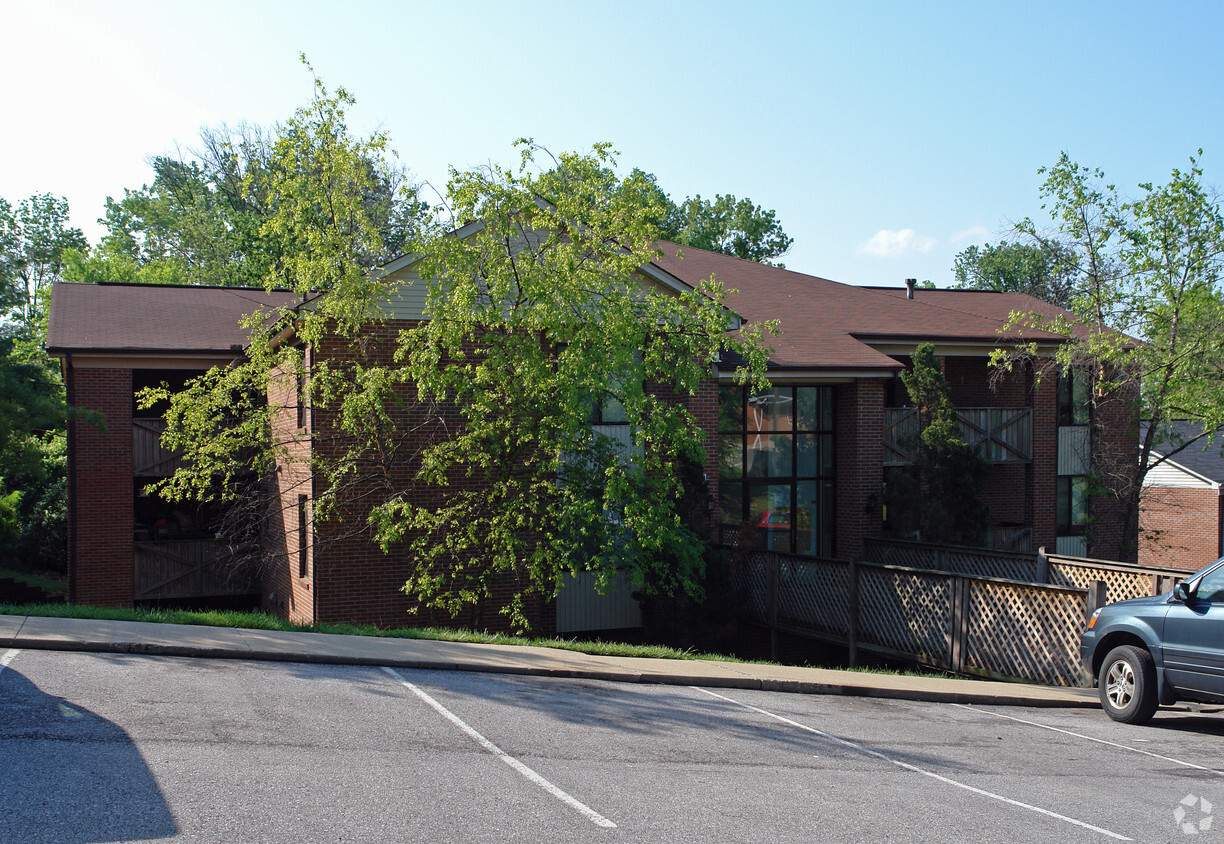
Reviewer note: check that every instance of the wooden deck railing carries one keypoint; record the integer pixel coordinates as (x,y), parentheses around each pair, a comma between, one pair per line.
(998,434)
(967,610)
(149,457)
(188,568)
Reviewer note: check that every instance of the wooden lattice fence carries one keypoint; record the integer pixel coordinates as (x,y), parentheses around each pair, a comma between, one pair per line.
(1021,630)
(978,562)
(968,610)
(944,619)
(905,611)
(1121,582)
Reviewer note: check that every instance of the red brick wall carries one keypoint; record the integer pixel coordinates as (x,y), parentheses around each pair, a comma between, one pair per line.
(1116,450)
(100,529)
(351,579)
(859,458)
(1041,475)
(294,595)
(1179,527)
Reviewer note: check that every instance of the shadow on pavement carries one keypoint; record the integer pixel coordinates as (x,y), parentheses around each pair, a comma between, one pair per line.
(644,711)
(69,775)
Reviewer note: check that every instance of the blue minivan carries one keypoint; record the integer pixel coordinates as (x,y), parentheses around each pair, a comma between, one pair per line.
(1146,652)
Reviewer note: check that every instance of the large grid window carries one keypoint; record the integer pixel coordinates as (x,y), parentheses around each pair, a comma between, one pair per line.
(776,471)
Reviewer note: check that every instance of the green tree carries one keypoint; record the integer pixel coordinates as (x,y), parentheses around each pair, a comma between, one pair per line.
(731,226)
(725,224)
(32,470)
(34,236)
(204,219)
(36,241)
(540,322)
(937,498)
(1147,335)
(1044,270)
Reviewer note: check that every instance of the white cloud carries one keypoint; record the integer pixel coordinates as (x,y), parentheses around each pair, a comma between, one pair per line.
(973,234)
(898,244)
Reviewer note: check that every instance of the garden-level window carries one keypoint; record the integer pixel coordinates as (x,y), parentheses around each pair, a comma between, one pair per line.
(776,472)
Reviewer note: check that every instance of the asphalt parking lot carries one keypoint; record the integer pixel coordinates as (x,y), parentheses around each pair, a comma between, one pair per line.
(102,747)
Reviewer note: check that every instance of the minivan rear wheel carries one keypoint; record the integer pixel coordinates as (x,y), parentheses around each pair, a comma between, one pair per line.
(1128,685)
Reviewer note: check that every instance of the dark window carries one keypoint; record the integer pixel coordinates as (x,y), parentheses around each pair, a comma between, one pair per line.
(776,467)
(301,391)
(303,545)
(1074,398)
(609,411)
(1072,515)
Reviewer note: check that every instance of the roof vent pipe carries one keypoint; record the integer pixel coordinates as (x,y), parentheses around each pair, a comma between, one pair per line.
(909,287)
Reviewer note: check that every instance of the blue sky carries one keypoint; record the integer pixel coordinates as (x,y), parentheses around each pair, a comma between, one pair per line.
(887,136)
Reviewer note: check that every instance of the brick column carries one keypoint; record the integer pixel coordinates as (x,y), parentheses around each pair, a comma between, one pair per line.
(859,446)
(101,506)
(1042,472)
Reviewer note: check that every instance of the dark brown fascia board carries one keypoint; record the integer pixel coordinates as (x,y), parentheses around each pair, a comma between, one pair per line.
(956,348)
(841,374)
(116,351)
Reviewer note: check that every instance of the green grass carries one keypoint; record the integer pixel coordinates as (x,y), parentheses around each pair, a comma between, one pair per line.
(263,621)
(43,583)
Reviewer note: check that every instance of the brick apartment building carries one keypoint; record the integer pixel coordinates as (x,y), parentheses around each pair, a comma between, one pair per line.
(804,465)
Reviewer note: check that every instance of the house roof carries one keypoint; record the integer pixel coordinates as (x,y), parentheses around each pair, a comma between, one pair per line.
(1203,458)
(825,325)
(829,325)
(133,318)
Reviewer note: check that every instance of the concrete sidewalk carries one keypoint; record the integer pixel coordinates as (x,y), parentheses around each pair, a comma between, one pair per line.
(135,637)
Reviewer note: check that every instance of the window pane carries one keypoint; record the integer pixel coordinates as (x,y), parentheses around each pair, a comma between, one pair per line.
(808,456)
(771,411)
(730,455)
(814,518)
(828,506)
(1062,506)
(1081,400)
(612,412)
(731,504)
(1079,501)
(769,510)
(805,408)
(730,408)
(770,456)
(826,455)
(807,519)
(826,408)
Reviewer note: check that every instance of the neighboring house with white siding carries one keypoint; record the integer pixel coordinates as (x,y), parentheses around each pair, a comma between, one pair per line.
(1181,516)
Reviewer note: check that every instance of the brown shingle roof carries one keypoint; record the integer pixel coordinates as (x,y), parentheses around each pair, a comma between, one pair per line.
(825,323)
(152,318)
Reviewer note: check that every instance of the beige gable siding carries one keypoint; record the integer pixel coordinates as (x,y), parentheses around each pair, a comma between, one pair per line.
(409,292)
(408,297)
(1169,474)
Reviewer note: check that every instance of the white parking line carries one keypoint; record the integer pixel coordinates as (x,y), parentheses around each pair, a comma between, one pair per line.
(1097,740)
(914,768)
(587,811)
(7,658)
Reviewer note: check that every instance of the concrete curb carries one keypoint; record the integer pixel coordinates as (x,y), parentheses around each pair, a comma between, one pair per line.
(893,691)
